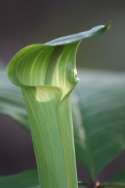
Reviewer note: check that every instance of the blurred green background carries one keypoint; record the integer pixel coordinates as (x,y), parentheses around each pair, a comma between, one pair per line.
(34,21)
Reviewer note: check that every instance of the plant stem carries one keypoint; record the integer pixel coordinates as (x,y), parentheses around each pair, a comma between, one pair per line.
(52,134)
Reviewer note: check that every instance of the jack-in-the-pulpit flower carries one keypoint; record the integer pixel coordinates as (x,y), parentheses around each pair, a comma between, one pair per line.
(46,74)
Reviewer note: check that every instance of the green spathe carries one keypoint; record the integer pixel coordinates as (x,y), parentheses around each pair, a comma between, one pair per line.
(47,75)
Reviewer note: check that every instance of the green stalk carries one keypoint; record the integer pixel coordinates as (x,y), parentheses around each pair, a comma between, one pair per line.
(53,140)
(47,75)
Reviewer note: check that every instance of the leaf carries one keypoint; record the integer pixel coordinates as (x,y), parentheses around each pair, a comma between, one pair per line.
(99,119)
(11,102)
(26,179)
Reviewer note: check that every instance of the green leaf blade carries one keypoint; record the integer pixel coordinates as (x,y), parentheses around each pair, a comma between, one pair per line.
(11,101)
(101,122)
(26,179)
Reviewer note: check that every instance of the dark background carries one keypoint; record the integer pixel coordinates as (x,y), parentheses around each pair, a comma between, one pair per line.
(24,22)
